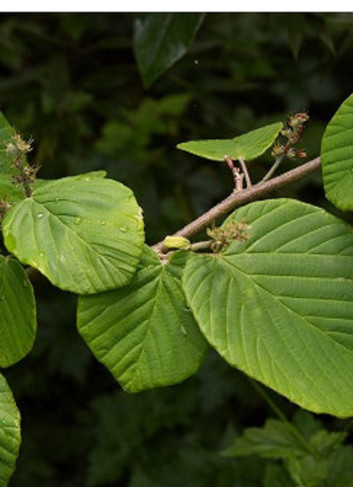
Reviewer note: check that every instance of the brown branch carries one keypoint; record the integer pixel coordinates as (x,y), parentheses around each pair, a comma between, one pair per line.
(242,197)
(245,171)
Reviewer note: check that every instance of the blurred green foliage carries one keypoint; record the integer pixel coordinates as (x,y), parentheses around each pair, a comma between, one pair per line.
(311,455)
(71,81)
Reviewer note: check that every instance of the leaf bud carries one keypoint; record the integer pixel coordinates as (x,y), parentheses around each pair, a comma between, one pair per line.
(176,242)
(301,153)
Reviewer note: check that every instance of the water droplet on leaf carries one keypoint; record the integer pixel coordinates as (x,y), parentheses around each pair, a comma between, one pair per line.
(123,228)
(77,221)
(40,215)
(102,223)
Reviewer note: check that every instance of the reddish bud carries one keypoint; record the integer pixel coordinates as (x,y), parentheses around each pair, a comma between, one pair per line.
(301,153)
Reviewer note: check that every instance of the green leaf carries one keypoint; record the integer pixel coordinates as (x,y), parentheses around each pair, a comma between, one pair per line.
(14,193)
(10,434)
(85,234)
(6,133)
(340,468)
(307,423)
(277,476)
(325,442)
(247,146)
(9,191)
(91,174)
(17,312)
(161,39)
(308,471)
(144,333)
(279,306)
(337,157)
(274,440)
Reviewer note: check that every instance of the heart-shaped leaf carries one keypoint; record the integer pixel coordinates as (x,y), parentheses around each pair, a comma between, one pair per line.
(337,157)
(144,332)
(247,146)
(279,306)
(17,312)
(85,234)
(10,432)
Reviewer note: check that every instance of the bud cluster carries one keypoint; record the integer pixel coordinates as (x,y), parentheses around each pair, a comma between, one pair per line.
(28,175)
(25,174)
(222,237)
(292,133)
(18,147)
(4,207)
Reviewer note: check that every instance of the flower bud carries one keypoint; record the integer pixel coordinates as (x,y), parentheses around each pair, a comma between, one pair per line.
(291,153)
(301,153)
(298,119)
(278,150)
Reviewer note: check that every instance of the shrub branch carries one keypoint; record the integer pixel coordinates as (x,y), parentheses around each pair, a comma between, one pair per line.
(242,197)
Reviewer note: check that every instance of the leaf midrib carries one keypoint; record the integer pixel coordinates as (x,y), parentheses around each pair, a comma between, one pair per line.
(149,321)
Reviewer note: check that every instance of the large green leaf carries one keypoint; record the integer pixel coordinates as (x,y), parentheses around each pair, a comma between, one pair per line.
(144,333)
(10,434)
(17,312)
(6,133)
(337,157)
(247,146)
(161,39)
(279,306)
(84,233)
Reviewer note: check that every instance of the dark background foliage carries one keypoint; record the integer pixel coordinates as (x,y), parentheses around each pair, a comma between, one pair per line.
(71,81)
